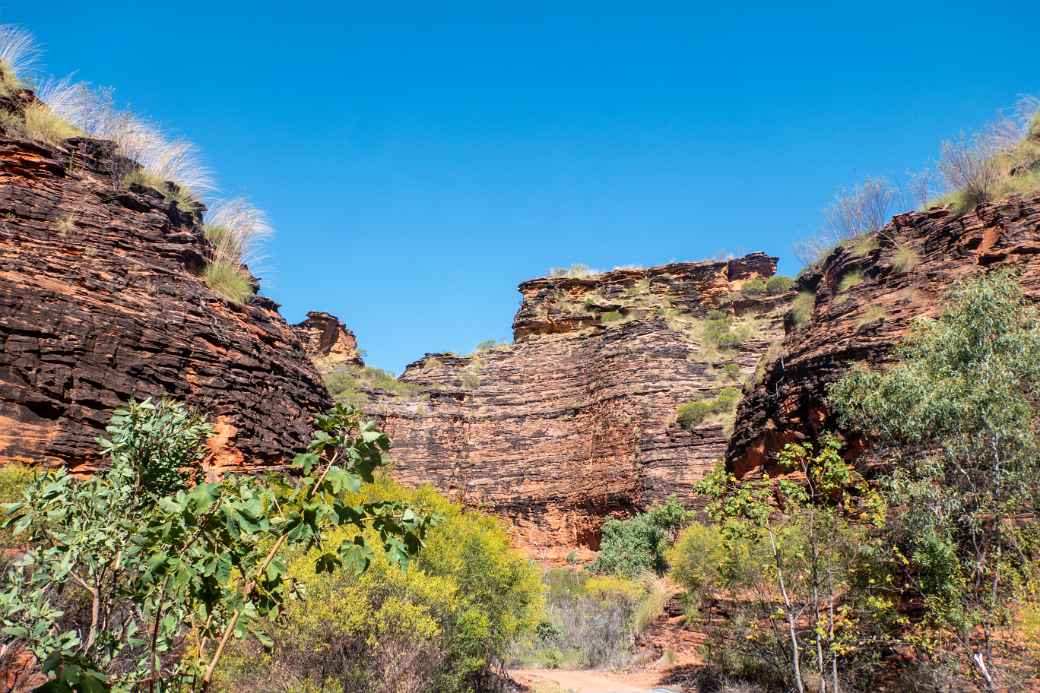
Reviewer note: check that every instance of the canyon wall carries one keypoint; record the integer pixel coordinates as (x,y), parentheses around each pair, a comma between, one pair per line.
(101,300)
(576,420)
(898,274)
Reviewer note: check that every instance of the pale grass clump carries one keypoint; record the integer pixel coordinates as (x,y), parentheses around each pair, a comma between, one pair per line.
(575,271)
(18,54)
(43,124)
(235,230)
(161,158)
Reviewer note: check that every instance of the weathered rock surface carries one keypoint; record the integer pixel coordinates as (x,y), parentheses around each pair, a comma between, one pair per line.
(100,300)
(576,420)
(324,337)
(863,323)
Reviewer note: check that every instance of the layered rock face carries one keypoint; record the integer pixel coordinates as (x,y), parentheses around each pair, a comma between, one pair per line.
(576,420)
(860,301)
(325,337)
(101,300)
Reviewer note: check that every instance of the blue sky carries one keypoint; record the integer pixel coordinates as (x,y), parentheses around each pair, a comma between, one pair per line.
(419,161)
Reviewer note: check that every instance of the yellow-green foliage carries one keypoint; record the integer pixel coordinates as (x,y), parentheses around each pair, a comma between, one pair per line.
(349,383)
(779,284)
(692,414)
(754,286)
(14,478)
(171,191)
(42,124)
(696,560)
(455,611)
(590,620)
(230,282)
(610,316)
(863,244)
(720,330)
(802,308)
(849,280)
(870,315)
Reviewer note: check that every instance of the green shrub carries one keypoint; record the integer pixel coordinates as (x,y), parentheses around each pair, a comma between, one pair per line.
(575,271)
(720,331)
(437,626)
(692,414)
(636,545)
(610,316)
(754,286)
(732,371)
(349,384)
(802,308)
(229,281)
(779,284)
(696,562)
(849,280)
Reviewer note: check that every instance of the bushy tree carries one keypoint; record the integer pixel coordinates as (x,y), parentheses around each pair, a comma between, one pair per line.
(134,579)
(637,545)
(957,417)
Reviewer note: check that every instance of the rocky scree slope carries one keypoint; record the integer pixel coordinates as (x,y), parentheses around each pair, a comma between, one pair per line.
(576,420)
(101,300)
(858,303)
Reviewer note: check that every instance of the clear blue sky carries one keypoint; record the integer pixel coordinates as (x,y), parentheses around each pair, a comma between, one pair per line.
(419,161)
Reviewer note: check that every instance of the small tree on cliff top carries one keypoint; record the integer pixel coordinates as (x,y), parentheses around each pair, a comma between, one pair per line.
(132,580)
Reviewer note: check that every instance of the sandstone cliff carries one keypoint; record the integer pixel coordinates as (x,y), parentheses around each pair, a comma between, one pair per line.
(101,300)
(576,419)
(859,302)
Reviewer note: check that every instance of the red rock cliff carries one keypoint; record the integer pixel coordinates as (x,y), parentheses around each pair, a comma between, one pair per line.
(903,274)
(576,420)
(101,300)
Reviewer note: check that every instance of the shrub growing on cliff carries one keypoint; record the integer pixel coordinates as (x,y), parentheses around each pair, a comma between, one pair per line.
(720,330)
(779,284)
(754,286)
(959,411)
(438,626)
(135,580)
(692,414)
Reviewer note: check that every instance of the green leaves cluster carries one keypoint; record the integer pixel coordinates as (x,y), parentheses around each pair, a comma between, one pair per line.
(142,578)
(637,545)
(956,416)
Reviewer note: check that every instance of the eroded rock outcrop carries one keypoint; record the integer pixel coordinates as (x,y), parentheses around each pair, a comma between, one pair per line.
(576,420)
(327,339)
(101,300)
(859,302)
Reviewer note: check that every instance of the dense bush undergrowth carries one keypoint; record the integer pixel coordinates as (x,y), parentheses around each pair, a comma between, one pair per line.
(438,626)
(925,578)
(138,577)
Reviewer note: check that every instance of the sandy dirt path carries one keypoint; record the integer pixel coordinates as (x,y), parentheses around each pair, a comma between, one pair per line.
(569,681)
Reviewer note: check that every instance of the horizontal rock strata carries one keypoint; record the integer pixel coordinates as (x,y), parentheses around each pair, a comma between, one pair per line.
(101,300)
(576,420)
(898,275)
